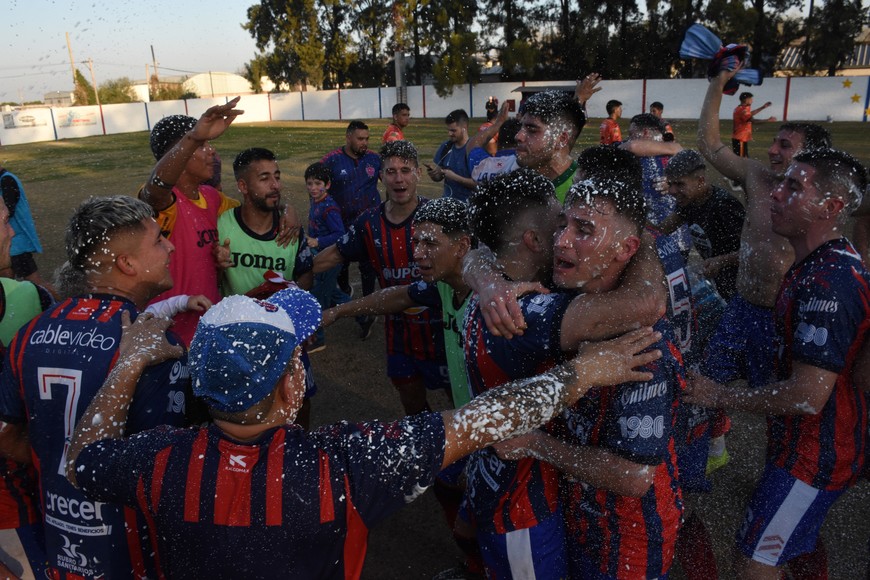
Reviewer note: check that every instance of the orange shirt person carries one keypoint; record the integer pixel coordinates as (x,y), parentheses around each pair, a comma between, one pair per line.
(743,117)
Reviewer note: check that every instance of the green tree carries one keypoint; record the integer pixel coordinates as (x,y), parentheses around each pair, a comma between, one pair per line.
(831,39)
(117,91)
(84,91)
(254,72)
(457,64)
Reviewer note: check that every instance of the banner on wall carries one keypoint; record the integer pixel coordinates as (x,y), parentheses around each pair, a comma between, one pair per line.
(26,118)
(77,117)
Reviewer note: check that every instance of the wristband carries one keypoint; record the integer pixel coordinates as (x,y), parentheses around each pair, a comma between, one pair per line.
(160,183)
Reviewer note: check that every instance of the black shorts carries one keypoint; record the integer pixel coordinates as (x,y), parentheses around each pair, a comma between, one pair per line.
(741,148)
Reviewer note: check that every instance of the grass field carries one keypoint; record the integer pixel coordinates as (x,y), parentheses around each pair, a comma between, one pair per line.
(58,175)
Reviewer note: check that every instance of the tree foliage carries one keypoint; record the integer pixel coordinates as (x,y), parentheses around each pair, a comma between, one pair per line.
(84,91)
(831,35)
(117,91)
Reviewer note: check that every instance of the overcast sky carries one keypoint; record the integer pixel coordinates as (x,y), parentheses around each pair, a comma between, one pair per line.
(188,36)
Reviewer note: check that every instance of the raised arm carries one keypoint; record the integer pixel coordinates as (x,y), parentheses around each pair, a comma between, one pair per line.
(525,404)
(649,148)
(385,301)
(640,300)
(158,190)
(143,344)
(710,142)
(483,137)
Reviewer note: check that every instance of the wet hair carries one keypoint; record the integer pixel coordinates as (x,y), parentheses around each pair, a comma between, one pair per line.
(497,203)
(815,136)
(611,106)
(838,174)
(399,107)
(92,225)
(550,106)
(626,199)
(168,131)
(244,159)
(657,105)
(449,213)
(401,149)
(356,126)
(744,96)
(648,121)
(507,135)
(459,116)
(684,163)
(318,171)
(611,164)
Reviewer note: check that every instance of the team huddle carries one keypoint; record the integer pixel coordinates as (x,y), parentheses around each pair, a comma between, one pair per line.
(591,315)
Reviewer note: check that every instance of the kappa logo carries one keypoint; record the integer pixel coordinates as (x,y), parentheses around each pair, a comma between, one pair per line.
(238,461)
(72,551)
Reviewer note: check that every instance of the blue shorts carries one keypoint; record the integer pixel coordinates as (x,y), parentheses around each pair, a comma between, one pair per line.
(537,552)
(783,518)
(742,346)
(692,465)
(402,368)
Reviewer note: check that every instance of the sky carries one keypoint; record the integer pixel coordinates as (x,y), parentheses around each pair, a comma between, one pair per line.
(187,35)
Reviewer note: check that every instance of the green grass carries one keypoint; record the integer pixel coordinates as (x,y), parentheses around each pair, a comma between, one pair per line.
(58,175)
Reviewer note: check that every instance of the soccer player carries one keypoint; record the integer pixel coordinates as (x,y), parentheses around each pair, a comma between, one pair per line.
(381,237)
(401,119)
(609,130)
(451,158)
(355,171)
(514,504)
(187,211)
(118,261)
(222,498)
(743,119)
(657,108)
(614,447)
(551,123)
(713,215)
(816,414)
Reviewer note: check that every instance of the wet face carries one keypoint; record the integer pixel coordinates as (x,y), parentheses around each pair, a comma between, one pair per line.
(201,163)
(261,185)
(796,201)
(150,254)
(357,143)
(536,143)
(6,235)
(785,145)
(688,188)
(316,188)
(590,245)
(437,254)
(402,118)
(400,177)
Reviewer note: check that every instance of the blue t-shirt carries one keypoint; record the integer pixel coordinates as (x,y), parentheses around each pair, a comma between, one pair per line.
(55,367)
(354,182)
(324,222)
(454,158)
(289,504)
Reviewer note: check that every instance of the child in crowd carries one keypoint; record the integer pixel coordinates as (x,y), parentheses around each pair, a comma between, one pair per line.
(324,229)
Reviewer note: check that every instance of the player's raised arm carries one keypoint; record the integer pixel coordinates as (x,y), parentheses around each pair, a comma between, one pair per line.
(710,142)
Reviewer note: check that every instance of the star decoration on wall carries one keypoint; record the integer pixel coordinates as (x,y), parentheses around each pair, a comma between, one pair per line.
(847,83)
(856,98)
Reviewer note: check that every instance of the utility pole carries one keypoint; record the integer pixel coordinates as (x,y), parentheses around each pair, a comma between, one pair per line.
(71,63)
(154,59)
(97,93)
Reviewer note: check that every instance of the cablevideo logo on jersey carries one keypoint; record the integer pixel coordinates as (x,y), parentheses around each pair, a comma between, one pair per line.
(55,335)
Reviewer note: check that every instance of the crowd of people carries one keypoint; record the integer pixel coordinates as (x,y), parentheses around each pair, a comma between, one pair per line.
(591,315)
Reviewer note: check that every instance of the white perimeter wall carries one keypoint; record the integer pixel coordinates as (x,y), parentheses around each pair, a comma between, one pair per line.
(796,99)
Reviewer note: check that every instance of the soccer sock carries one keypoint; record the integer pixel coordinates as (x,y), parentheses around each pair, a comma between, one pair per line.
(810,566)
(695,550)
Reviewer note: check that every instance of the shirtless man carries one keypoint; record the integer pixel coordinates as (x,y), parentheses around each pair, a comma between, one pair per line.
(742,346)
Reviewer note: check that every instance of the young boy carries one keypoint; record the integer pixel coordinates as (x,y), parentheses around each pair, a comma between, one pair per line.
(324,229)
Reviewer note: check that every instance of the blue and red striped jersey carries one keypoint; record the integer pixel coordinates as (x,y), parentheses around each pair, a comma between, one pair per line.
(628,537)
(55,365)
(389,249)
(512,495)
(822,318)
(289,504)
(354,184)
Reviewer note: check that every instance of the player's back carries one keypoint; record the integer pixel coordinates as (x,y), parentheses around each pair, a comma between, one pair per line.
(57,364)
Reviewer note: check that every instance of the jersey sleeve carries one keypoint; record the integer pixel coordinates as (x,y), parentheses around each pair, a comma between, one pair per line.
(351,245)
(827,314)
(641,415)
(388,464)
(425,294)
(109,470)
(543,314)
(11,404)
(332,220)
(227,203)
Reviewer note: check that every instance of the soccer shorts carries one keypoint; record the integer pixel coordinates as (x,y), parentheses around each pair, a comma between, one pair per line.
(742,347)
(537,553)
(783,518)
(403,369)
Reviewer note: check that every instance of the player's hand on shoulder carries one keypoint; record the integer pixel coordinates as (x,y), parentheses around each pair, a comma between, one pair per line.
(289,228)
(145,339)
(223,258)
(614,361)
(500,308)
